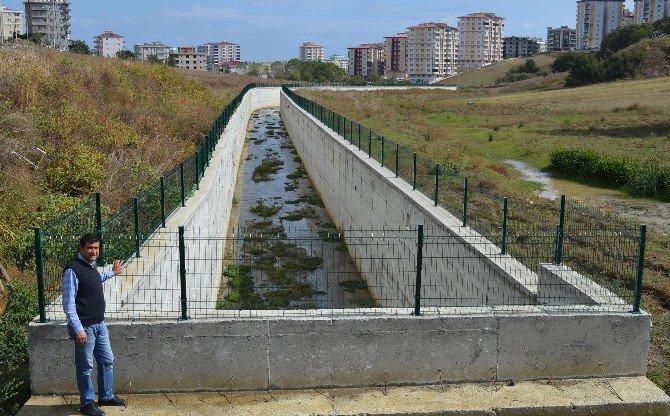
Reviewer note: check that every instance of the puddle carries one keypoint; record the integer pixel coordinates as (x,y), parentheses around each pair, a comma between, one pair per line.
(306,263)
(534,175)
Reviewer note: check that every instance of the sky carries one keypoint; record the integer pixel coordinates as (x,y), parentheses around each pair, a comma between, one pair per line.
(270,30)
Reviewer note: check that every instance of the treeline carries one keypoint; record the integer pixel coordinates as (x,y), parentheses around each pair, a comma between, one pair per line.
(312,71)
(637,178)
(613,62)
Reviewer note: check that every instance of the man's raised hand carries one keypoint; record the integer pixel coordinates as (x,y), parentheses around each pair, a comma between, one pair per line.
(117,267)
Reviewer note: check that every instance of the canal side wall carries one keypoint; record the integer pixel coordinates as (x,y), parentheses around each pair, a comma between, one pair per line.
(464,269)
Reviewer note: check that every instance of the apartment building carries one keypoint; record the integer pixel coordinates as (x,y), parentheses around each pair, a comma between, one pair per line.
(649,11)
(396,56)
(522,47)
(11,24)
(188,57)
(311,52)
(628,17)
(432,52)
(158,49)
(340,61)
(561,39)
(367,60)
(108,44)
(50,19)
(595,19)
(480,40)
(220,54)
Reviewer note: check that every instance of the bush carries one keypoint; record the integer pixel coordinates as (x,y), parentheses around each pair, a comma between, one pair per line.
(643,180)
(623,65)
(565,62)
(623,37)
(586,70)
(77,173)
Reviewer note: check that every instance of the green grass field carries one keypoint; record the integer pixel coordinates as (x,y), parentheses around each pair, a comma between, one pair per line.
(479,129)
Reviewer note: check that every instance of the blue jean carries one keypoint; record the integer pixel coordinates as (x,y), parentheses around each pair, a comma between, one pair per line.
(98,347)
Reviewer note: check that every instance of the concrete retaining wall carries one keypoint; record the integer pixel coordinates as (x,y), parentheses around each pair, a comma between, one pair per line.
(295,353)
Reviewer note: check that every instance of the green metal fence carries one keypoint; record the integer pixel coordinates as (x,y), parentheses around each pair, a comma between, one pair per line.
(607,249)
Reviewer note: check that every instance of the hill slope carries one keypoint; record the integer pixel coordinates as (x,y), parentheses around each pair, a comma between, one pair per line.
(487,76)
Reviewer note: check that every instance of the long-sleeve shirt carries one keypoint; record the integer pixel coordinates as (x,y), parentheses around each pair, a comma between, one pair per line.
(70,288)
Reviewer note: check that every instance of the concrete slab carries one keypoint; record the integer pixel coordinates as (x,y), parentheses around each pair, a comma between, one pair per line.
(608,397)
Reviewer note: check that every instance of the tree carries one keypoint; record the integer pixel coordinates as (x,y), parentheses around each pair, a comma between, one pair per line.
(171,61)
(80,47)
(623,37)
(125,54)
(586,70)
(565,62)
(36,38)
(530,67)
(153,59)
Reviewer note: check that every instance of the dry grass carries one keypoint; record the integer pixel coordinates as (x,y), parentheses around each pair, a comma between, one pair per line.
(630,119)
(488,75)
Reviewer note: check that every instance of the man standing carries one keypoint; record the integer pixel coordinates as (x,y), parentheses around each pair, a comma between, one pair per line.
(84,306)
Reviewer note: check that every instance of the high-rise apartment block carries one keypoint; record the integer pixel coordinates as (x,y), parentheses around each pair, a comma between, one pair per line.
(561,39)
(311,52)
(51,20)
(595,19)
(480,40)
(367,60)
(157,49)
(109,44)
(431,52)
(220,54)
(11,24)
(396,56)
(522,47)
(187,57)
(649,11)
(628,17)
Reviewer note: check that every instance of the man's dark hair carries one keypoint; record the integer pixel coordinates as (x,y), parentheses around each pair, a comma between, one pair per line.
(88,238)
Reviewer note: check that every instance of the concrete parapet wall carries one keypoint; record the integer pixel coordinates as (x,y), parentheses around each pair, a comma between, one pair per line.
(313,352)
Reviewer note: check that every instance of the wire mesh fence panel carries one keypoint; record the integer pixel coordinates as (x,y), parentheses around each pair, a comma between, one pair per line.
(172,191)
(406,164)
(451,194)
(149,211)
(120,236)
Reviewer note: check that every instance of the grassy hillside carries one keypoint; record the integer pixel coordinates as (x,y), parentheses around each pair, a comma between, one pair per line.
(479,129)
(488,75)
(103,124)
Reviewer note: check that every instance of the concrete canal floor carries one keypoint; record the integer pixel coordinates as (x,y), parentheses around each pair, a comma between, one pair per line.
(611,397)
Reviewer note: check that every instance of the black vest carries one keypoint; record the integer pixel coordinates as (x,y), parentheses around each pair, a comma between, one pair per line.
(90,299)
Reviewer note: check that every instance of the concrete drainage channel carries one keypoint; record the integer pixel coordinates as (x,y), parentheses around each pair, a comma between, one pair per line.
(342,348)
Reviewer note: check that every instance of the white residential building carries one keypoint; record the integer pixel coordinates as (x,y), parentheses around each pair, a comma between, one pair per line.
(109,44)
(340,61)
(561,39)
(595,19)
(649,11)
(51,19)
(396,56)
(187,57)
(220,54)
(432,52)
(311,52)
(158,49)
(480,40)
(367,60)
(11,24)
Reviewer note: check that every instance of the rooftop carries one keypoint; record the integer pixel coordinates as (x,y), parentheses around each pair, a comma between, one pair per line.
(432,25)
(367,46)
(110,34)
(481,15)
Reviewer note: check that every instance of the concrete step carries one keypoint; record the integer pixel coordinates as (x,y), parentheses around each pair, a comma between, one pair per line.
(610,397)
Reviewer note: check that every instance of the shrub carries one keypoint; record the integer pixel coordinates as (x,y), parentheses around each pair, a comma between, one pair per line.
(623,37)
(78,172)
(664,182)
(623,65)
(565,62)
(643,180)
(586,70)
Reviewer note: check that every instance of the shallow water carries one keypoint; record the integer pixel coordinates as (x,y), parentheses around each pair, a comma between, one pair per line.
(534,175)
(276,198)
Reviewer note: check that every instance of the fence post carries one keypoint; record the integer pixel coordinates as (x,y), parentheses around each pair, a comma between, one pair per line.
(558,257)
(370,144)
(419,266)
(397,157)
(182,273)
(98,224)
(163,201)
(640,269)
(504,227)
(383,151)
(351,132)
(414,173)
(136,210)
(181,185)
(437,181)
(41,298)
(465,202)
(197,173)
